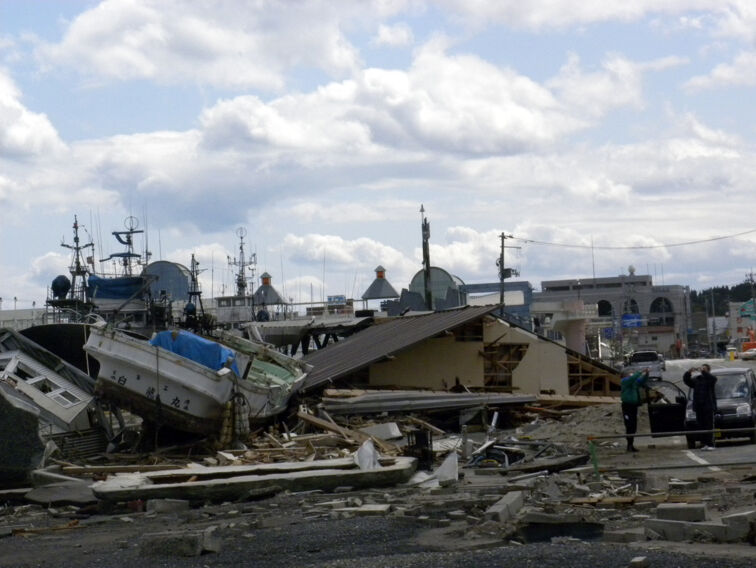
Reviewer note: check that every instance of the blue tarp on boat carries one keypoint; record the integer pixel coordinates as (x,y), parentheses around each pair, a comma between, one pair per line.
(200,350)
(121,288)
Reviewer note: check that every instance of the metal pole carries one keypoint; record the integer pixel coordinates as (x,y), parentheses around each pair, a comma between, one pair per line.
(425,229)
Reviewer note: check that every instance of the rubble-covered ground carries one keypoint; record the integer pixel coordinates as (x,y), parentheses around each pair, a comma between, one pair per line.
(576,426)
(491,515)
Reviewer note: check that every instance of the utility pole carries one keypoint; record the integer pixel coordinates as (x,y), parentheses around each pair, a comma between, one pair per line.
(504,272)
(713,321)
(752,315)
(425,228)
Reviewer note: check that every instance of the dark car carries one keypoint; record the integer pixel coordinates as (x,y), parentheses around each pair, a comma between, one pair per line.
(670,409)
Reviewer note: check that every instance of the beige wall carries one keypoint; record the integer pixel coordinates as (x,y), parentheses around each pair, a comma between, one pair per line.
(433,364)
(544,367)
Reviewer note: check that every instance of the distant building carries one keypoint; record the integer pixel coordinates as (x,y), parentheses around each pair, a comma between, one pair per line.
(380,289)
(626,311)
(446,291)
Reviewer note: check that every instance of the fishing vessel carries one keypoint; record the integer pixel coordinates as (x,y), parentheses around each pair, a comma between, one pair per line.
(190,382)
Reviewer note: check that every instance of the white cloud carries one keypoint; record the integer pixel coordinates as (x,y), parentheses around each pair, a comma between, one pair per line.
(227,44)
(542,14)
(444,103)
(397,35)
(618,84)
(23,133)
(741,72)
(737,19)
(338,212)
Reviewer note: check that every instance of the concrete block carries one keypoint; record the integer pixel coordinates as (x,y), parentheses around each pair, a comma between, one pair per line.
(167,505)
(665,529)
(742,518)
(507,507)
(637,534)
(76,492)
(716,532)
(737,532)
(180,543)
(681,511)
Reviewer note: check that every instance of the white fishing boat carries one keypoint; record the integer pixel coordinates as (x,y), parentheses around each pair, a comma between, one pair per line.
(188,382)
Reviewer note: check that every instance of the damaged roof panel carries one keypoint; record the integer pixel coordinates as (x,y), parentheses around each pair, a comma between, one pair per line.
(383,339)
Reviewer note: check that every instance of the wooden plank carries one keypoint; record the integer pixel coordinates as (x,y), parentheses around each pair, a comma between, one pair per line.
(426,425)
(358,437)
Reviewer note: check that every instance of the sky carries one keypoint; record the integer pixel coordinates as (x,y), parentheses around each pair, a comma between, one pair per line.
(598,134)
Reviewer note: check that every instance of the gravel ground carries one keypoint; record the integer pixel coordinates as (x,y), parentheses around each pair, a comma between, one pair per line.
(366,542)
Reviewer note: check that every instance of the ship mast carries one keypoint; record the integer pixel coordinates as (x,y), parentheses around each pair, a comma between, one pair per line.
(78,267)
(243,264)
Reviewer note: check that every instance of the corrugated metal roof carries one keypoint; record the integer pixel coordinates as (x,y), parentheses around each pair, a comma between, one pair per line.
(383,339)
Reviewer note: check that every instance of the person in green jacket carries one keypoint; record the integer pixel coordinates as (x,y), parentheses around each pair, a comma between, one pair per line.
(631,399)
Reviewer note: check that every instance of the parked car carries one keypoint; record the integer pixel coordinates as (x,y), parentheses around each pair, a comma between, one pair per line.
(651,360)
(748,355)
(670,408)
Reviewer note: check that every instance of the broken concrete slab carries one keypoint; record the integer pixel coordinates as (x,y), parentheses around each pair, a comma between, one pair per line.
(743,518)
(233,482)
(180,543)
(691,512)
(167,505)
(507,507)
(665,529)
(75,492)
(635,534)
(697,531)
(538,526)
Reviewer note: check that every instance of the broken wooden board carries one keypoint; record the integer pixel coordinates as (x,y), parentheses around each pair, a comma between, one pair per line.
(551,465)
(635,499)
(575,400)
(222,483)
(355,435)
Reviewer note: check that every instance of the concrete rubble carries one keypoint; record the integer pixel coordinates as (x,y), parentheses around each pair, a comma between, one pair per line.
(528,483)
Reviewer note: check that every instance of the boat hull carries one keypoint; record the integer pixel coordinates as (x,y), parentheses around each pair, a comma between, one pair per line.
(158,385)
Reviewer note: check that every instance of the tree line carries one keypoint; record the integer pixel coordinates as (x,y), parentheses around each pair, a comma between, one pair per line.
(701,300)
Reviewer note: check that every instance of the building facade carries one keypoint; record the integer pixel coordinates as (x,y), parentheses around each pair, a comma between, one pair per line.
(626,312)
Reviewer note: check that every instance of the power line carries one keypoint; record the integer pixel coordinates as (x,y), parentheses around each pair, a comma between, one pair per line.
(635,247)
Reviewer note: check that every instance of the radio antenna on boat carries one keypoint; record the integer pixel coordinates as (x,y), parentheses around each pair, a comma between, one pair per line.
(126,238)
(245,266)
